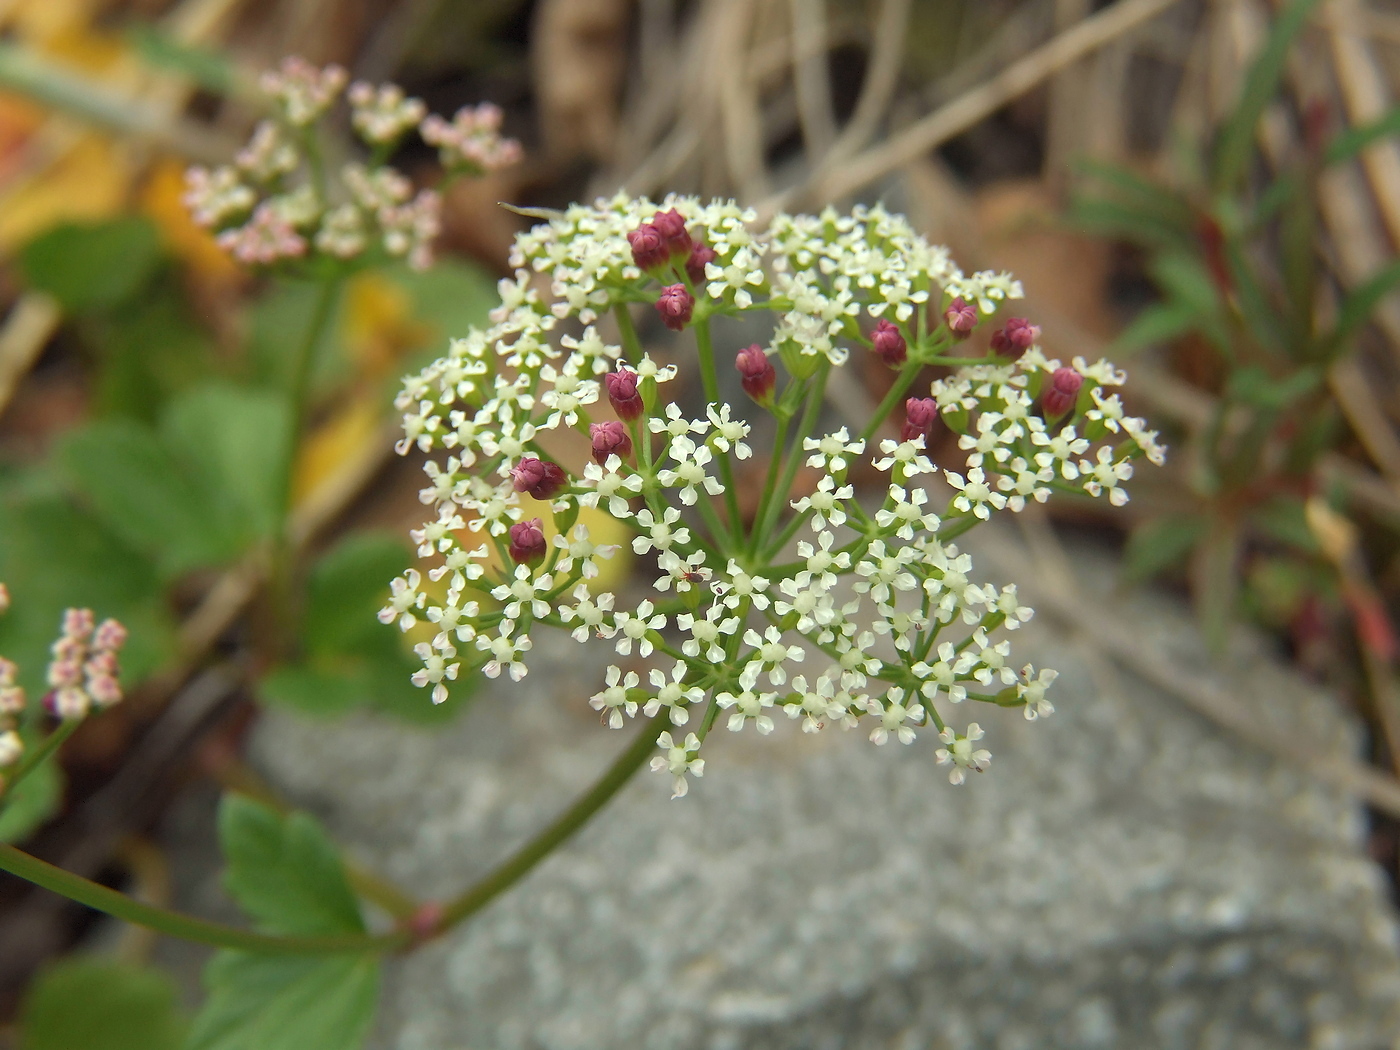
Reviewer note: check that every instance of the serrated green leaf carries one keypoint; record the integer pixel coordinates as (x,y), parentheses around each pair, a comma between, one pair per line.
(232,440)
(93,267)
(30,805)
(90,1003)
(286,874)
(136,487)
(260,1002)
(1157,545)
(284,871)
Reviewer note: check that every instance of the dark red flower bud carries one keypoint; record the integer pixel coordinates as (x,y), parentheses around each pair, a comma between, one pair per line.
(1061,393)
(961,318)
(672,227)
(622,393)
(756,373)
(609,439)
(701,254)
(527,544)
(889,344)
(539,477)
(1013,340)
(675,306)
(649,249)
(920,413)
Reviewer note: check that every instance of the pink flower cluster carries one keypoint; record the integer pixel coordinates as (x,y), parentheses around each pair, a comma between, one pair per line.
(472,138)
(84,670)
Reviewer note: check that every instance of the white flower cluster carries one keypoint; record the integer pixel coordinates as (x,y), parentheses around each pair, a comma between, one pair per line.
(878,621)
(275,203)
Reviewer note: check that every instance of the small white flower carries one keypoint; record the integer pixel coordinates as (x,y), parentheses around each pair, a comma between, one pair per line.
(1062,450)
(729,433)
(505,652)
(741,585)
(672,694)
(1032,689)
(895,718)
(772,652)
(707,632)
(611,485)
(945,673)
(580,550)
(959,751)
(905,458)
(832,452)
(435,669)
(1106,474)
(974,494)
(679,760)
(592,615)
(523,592)
(633,627)
(613,700)
(906,513)
(660,534)
(404,597)
(748,707)
(825,504)
(689,472)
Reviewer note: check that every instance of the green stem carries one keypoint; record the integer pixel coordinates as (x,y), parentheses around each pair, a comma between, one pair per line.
(515,867)
(901,385)
(816,394)
(779,440)
(47,747)
(120,906)
(630,342)
(726,469)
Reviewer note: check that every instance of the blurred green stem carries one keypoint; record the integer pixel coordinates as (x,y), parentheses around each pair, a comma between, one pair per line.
(37,755)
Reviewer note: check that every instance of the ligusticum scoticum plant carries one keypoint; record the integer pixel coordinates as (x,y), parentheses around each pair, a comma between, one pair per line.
(873,617)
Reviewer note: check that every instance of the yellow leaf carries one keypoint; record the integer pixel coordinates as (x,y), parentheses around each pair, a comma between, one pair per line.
(341,437)
(89,181)
(195,246)
(378,326)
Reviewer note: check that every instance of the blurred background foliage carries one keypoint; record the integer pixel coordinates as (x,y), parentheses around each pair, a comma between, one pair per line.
(1212,192)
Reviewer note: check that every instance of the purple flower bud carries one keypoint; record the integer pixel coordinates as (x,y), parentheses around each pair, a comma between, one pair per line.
(756,373)
(1061,393)
(889,344)
(700,255)
(920,413)
(539,477)
(1013,340)
(672,227)
(527,544)
(622,393)
(649,250)
(609,439)
(961,318)
(675,306)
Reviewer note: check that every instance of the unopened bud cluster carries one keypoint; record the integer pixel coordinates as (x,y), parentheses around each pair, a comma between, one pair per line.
(820,606)
(83,675)
(275,203)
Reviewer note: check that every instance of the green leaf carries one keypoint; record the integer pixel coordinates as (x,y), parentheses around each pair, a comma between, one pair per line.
(1157,545)
(314,691)
(1356,310)
(232,440)
(286,874)
(1284,519)
(100,1004)
(350,659)
(284,871)
(53,556)
(1159,323)
(348,586)
(1352,141)
(260,1002)
(1236,143)
(160,50)
(146,352)
(32,803)
(93,267)
(136,487)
